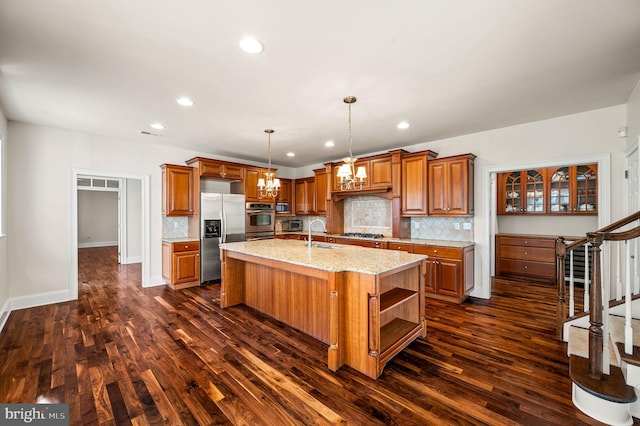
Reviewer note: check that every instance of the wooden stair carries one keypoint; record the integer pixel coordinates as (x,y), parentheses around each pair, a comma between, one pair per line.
(611,387)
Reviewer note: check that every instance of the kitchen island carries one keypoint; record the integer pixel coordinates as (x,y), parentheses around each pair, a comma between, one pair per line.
(366,304)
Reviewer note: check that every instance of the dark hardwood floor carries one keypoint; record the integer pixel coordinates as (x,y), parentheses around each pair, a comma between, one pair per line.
(122,354)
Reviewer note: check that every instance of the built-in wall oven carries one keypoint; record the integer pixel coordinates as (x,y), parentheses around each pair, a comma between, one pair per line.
(260,223)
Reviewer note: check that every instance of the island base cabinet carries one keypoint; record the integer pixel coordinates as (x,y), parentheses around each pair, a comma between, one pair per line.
(364,319)
(393,309)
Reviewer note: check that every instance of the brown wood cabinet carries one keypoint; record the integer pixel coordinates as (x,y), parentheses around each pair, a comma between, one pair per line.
(449,271)
(531,257)
(357,242)
(321,192)
(553,190)
(414,185)
(208,167)
(522,191)
(451,186)
(573,189)
(178,192)
(305,196)
(181,264)
(378,170)
(249,186)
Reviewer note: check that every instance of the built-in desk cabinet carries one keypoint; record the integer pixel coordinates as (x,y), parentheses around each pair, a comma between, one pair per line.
(181,264)
(531,257)
(178,193)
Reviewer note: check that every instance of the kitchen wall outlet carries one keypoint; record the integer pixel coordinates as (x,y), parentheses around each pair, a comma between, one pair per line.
(416,225)
(176,225)
(466,225)
(456,225)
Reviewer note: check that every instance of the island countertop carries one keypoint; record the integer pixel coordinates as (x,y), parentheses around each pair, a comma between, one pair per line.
(338,258)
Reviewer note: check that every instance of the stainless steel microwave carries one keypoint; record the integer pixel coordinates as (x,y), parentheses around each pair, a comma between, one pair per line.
(292,225)
(283,208)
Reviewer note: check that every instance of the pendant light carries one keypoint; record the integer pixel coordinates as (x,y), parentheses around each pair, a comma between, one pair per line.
(269,185)
(350,179)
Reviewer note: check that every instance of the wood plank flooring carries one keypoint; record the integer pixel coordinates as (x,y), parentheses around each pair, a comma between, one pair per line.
(124,355)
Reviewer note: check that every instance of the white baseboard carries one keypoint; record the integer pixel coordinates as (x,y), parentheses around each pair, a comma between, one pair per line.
(98,244)
(155,281)
(133,259)
(39,299)
(4,313)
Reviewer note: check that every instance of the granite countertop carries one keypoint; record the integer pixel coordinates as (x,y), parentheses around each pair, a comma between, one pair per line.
(442,243)
(340,258)
(180,240)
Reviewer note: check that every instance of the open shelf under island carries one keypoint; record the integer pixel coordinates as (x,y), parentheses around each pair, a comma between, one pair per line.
(366,304)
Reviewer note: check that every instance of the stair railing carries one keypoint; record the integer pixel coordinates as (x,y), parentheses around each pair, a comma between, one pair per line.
(565,251)
(597,292)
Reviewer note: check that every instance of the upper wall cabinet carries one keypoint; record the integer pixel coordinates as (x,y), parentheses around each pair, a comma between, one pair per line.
(217,169)
(451,186)
(178,193)
(378,169)
(522,191)
(553,190)
(573,189)
(413,194)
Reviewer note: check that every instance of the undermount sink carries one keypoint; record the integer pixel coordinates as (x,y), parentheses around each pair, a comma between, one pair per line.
(324,245)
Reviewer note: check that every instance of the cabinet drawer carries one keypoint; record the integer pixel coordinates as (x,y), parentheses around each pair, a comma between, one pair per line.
(537,254)
(186,246)
(523,268)
(400,246)
(439,251)
(527,241)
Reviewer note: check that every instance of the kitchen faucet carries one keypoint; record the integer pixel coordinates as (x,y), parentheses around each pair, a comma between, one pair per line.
(309,226)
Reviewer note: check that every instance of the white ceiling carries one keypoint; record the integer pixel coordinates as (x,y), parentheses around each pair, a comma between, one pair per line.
(449,67)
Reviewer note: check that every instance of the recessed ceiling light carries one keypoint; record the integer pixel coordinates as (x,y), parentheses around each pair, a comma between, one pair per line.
(291,154)
(403,125)
(157,126)
(184,101)
(251,45)
(329,144)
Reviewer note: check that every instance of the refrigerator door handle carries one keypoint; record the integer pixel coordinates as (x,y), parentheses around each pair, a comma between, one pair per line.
(223,233)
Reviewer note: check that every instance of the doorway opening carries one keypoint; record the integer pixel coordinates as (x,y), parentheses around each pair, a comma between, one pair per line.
(110,209)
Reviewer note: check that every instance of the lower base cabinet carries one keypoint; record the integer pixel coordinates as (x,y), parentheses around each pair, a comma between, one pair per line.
(531,257)
(181,264)
(449,271)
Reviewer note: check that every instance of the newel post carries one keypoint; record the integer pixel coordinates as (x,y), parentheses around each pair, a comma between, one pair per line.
(595,311)
(561,307)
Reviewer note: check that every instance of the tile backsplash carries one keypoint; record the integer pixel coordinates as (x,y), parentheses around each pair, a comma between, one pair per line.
(367,214)
(175,227)
(442,228)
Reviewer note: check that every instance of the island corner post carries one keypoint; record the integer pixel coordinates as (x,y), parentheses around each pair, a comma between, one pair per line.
(365,319)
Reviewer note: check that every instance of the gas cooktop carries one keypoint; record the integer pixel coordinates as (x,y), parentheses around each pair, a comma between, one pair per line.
(361,235)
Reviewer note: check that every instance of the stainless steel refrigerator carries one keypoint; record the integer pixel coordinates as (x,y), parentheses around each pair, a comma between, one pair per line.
(222,221)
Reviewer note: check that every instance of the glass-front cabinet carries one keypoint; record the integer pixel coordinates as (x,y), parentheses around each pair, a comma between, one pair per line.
(522,191)
(554,190)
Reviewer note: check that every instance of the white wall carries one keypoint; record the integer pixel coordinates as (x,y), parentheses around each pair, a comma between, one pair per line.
(97,218)
(4,276)
(41,160)
(133,221)
(39,201)
(633,115)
